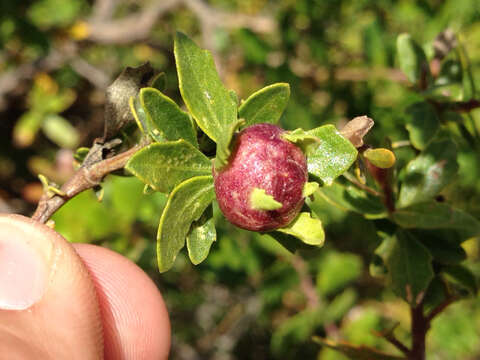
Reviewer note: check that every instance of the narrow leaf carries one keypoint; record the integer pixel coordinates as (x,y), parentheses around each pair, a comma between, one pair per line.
(411,57)
(429,173)
(201,237)
(265,105)
(159,81)
(166,117)
(144,123)
(330,157)
(206,98)
(306,228)
(435,215)
(164,165)
(186,204)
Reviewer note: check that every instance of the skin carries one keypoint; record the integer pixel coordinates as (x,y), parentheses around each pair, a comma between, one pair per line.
(74,302)
(261,159)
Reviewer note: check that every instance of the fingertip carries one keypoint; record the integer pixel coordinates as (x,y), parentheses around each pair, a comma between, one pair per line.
(135,318)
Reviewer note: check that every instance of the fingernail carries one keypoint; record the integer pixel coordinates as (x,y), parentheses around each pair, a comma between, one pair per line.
(23,272)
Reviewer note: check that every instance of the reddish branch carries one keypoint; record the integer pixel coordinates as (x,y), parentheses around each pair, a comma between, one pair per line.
(85,178)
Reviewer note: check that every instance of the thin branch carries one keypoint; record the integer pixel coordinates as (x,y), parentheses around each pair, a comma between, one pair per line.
(84,178)
(440,308)
(306,282)
(358,184)
(390,337)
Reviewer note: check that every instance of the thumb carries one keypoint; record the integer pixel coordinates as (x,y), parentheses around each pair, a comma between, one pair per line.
(48,305)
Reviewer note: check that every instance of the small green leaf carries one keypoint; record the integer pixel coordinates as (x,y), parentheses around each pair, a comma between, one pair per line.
(443,248)
(60,131)
(259,200)
(80,154)
(330,157)
(463,277)
(435,215)
(300,137)
(166,117)
(206,98)
(265,105)
(186,204)
(429,173)
(223,148)
(164,165)
(309,188)
(306,228)
(356,352)
(201,237)
(411,57)
(409,266)
(382,158)
(422,124)
(159,81)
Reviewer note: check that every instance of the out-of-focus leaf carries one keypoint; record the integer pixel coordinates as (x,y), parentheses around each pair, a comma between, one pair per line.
(201,237)
(435,215)
(166,117)
(265,105)
(26,128)
(354,351)
(350,198)
(463,277)
(330,157)
(47,13)
(442,245)
(118,94)
(411,57)
(409,266)
(60,131)
(186,204)
(339,306)
(422,124)
(382,158)
(165,165)
(336,271)
(204,94)
(306,228)
(429,173)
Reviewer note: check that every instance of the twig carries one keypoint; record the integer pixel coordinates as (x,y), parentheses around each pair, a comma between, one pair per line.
(390,337)
(439,308)
(85,178)
(306,283)
(357,183)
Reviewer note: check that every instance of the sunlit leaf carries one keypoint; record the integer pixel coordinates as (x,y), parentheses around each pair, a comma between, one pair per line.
(201,237)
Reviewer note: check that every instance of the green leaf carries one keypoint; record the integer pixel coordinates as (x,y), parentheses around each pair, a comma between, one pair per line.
(429,173)
(206,98)
(435,215)
(306,228)
(332,156)
(309,188)
(300,137)
(159,81)
(409,266)
(201,237)
(463,277)
(382,158)
(166,117)
(443,248)
(336,271)
(144,124)
(164,165)
(259,200)
(422,124)
(355,351)
(186,204)
(411,57)
(265,105)
(350,198)
(60,131)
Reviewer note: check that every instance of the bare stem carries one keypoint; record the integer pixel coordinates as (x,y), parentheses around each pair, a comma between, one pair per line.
(306,282)
(84,178)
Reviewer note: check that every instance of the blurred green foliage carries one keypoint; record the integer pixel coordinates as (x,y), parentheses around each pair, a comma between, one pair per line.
(248,299)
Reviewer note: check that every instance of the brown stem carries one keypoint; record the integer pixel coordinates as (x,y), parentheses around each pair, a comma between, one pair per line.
(358,184)
(442,306)
(85,178)
(420,326)
(306,283)
(390,337)
(458,106)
